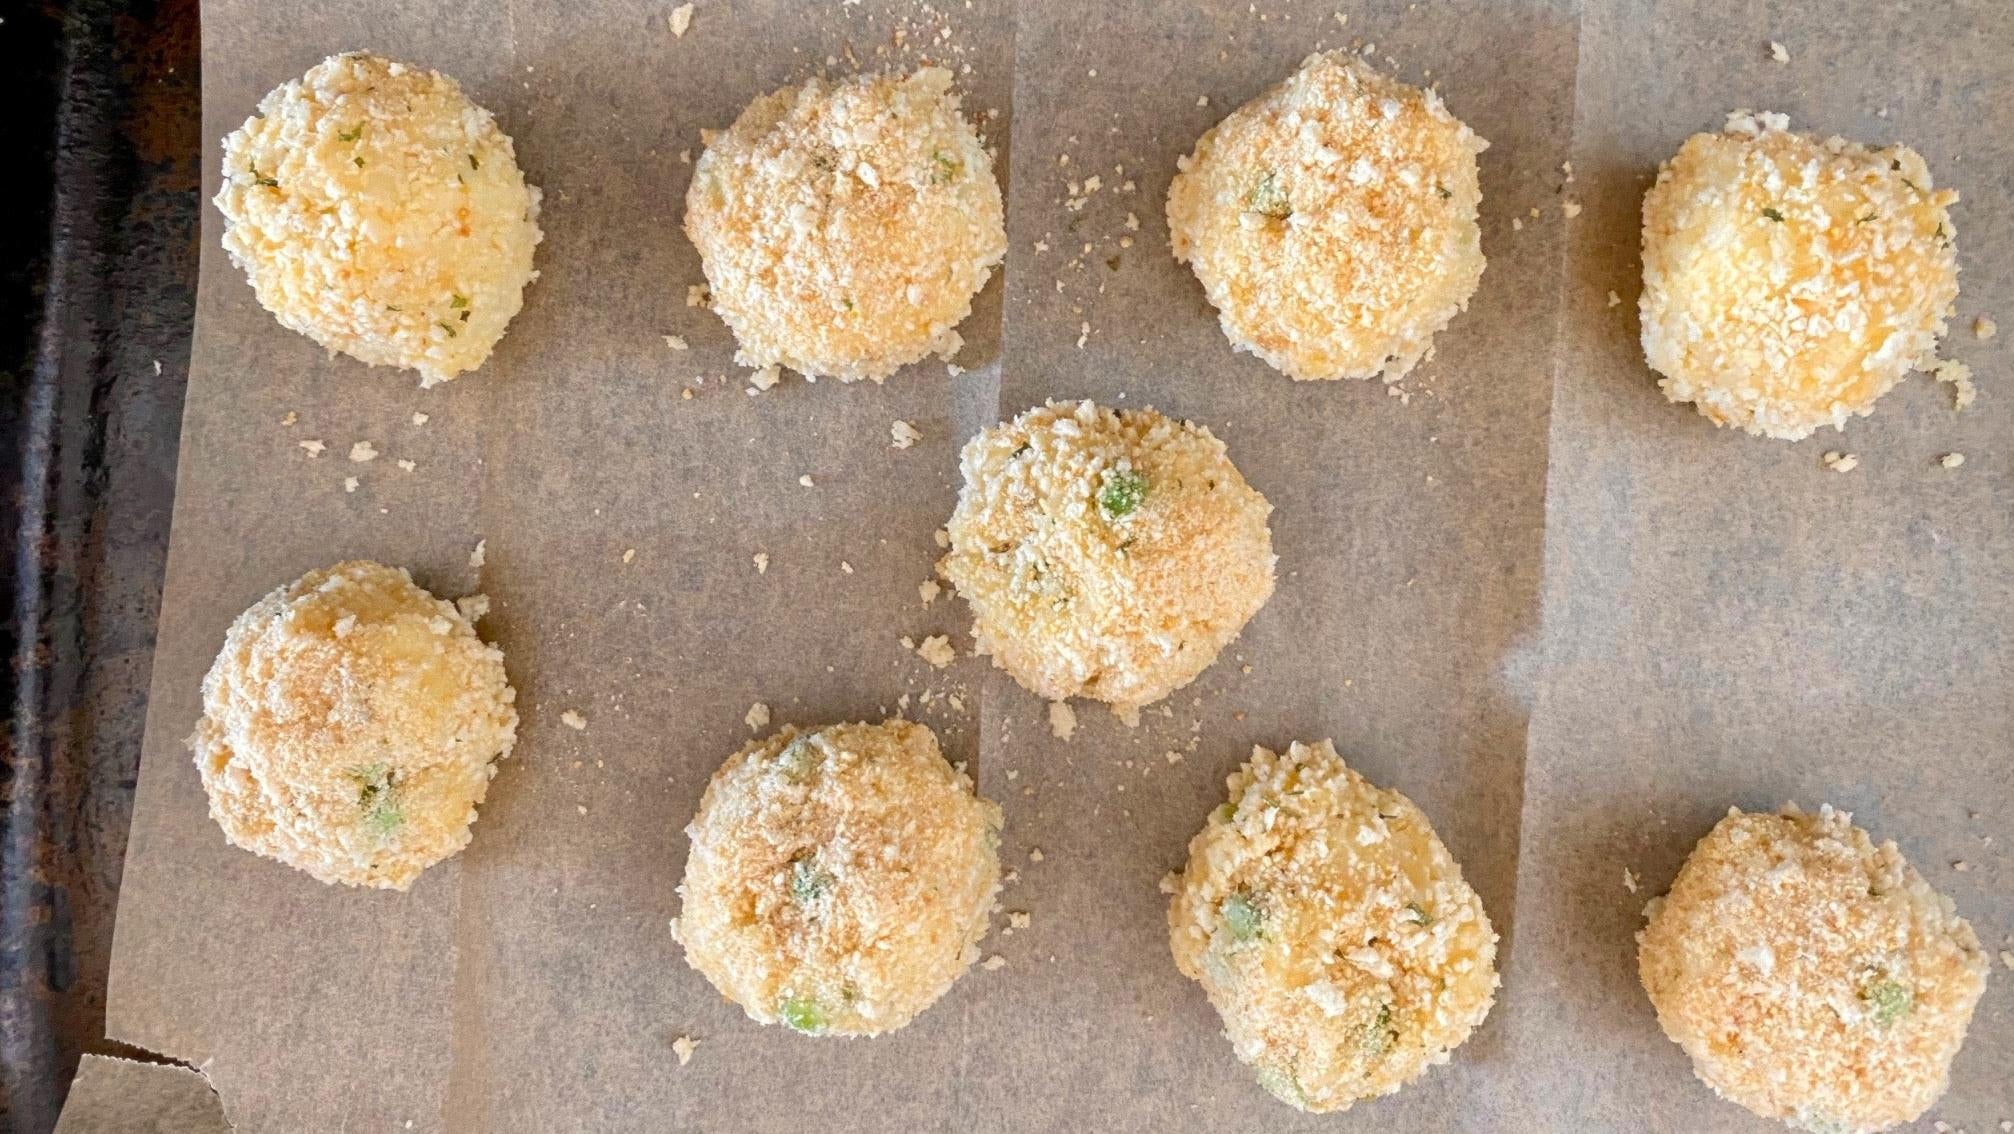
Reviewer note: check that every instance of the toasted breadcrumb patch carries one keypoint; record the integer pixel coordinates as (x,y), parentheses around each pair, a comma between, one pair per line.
(1790,281)
(1958,376)
(844,227)
(1332,221)
(1106,554)
(1811,975)
(379,212)
(1332,931)
(351,725)
(840,879)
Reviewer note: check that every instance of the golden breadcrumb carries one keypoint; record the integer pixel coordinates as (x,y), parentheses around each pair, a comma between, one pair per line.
(1788,282)
(1811,975)
(844,227)
(1332,931)
(351,725)
(379,212)
(839,879)
(1332,221)
(1106,553)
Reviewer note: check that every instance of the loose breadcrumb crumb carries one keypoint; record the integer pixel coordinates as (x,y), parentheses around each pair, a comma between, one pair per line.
(937,650)
(994,963)
(573,720)
(675,342)
(479,554)
(757,716)
(1951,460)
(314,448)
(928,590)
(761,563)
(684,1046)
(1062,722)
(902,435)
(363,451)
(1779,52)
(681,22)
(1958,376)
(1984,328)
(1841,462)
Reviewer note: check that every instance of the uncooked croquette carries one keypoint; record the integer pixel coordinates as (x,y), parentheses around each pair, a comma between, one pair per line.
(839,878)
(1332,931)
(1789,282)
(1107,554)
(1332,221)
(1811,975)
(379,212)
(844,227)
(351,725)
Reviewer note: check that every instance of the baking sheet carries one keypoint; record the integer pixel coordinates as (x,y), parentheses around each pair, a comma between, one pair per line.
(1566,618)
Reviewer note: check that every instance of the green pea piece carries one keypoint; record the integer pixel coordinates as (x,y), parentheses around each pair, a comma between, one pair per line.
(808,881)
(1242,917)
(1123,494)
(803,1014)
(796,761)
(1268,198)
(1379,1034)
(1887,1001)
(1282,1084)
(375,798)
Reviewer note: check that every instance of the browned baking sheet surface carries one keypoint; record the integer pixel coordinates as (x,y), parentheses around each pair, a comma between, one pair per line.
(1573,622)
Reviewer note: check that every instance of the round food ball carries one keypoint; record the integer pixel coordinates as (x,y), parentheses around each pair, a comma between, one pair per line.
(1812,976)
(1332,221)
(840,878)
(1331,930)
(351,725)
(1106,553)
(844,227)
(1789,282)
(379,212)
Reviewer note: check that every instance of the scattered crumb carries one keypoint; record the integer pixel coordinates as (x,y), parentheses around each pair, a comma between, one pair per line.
(937,650)
(994,963)
(762,563)
(1982,328)
(2006,960)
(942,537)
(674,342)
(314,448)
(806,481)
(574,721)
(1614,300)
(473,607)
(1035,855)
(363,451)
(1570,207)
(291,418)
(681,19)
(350,484)
(629,556)
(1951,460)
(903,435)
(928,590)
(1959,376)
(1062,720)
(1961,866)
(845,567)
(420,419)
(763,379)
(757,716)
(1018,919)
(580,808)
(1779,52)
(1169,883)
(683,1046)
(1841,462)
(1629,879)
(480,554)
(696,295)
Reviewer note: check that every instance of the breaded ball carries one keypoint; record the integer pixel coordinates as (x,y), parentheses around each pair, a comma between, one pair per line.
(351,725)
(1106,553)
(1332,221)
(1331,930)
(379,212)
(840,878)
(844,227)
(1788,282)
(1811,975)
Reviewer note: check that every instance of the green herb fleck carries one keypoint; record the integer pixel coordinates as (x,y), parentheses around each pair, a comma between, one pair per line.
(1268,198)
(1223,813)
(1887,1001)
(458,301)
(1772,214)
(448,327)
(352,135)
(376,799)
(1242,916)
(1123,493)
(847,300)
(797,760)
(1420,914)
(802,1014)
(947,168)
(473,163)
(1910,183)
(1444,191)
(1283,1085)
(359,159)
(389,307)
(1943,234)
(261,179)
(808,880)
(1379,1035)
(1024,450)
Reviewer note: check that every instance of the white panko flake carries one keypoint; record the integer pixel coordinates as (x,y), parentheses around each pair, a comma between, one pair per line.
(479,554)
(1812,976)
(1841,462)
(680,20)
(573,720)
(902,435)
(1958,376)
(1951,460)
(928,590)
(363,451)
(1332,221)
(351,724)
(840,879)
(350,484)
(419,419)
(764,379)
(1107,554)
(1779,52)
(936,649)
(757,717)
(845,226)
(675,342)
(1062,720)
(762,563)
(994,963)
(1332,931)
(314,448)
(1791,281)
(684,1046)
(378,211)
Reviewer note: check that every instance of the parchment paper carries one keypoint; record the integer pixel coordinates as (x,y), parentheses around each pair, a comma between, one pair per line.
(1699,618)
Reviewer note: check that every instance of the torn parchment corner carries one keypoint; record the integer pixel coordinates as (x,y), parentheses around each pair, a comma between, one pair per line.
(111,1095)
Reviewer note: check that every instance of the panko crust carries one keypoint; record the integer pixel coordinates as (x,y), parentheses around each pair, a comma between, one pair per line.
(1332,221)
(1811,975)
(1789,282)
(1075,600)
(351,725)
(1332,931)
(379,212)
(840,879)
(844,227)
